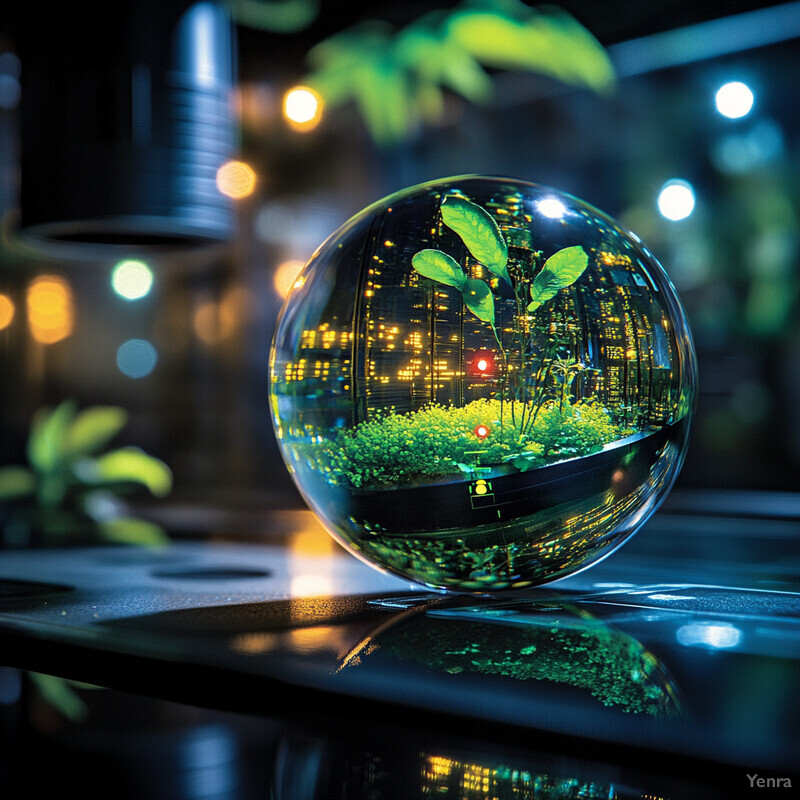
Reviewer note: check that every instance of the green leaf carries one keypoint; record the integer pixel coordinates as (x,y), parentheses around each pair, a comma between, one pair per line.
(48,432)
(60,694)
(439,267)
(361,65)
(16,482)
(130,464)
(128,530)
(384,99)
(478,299)
(553,44)
(281,16)
(92,429)
(562,269)
(430,56)
(479,232)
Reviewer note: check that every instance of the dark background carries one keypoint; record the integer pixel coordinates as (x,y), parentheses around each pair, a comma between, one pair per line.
(204,408)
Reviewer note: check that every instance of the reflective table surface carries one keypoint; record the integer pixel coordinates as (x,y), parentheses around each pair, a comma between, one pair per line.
(671,669)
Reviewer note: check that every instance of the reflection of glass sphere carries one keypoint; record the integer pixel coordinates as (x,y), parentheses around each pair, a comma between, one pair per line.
(482,384)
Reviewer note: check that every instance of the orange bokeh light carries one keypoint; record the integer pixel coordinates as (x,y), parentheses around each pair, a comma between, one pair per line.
(236,180)
(51,313)
(302,108)
(6,311)
(287,276)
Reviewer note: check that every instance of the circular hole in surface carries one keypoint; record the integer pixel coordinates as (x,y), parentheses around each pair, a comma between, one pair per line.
(222,574)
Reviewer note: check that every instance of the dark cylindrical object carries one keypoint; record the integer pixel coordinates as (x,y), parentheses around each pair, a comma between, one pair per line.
(126,117)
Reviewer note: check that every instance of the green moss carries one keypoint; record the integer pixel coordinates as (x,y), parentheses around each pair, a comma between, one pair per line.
(437,441)
(614,668)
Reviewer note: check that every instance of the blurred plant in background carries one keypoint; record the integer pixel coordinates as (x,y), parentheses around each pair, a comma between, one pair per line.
(280,16)
(397,78)
(73,490)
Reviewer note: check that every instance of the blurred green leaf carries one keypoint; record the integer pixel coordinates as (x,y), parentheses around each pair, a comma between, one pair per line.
(48,432)
(16,482)
(59,693)
(396,78)
(552,44)
(281,16)
(384,98)
(93,429)
(128,530)
(439,267)
(130,464)
(479,232)
(336,59)
(52,490)
(70,491)
(435,59)
(478,299)
(562,269)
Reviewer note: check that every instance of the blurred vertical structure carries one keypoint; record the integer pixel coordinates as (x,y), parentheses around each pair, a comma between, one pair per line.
(125,116)
(125,119)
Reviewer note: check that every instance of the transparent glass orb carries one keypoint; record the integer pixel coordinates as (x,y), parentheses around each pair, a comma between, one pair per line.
(482,384)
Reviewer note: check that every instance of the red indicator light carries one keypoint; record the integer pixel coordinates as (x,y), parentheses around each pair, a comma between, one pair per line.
(482,431)
(482,364)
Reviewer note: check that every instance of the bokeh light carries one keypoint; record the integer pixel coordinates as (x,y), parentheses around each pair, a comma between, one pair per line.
(7,310)
(214,322)
(51,313)
(676,200)
(302,108)
(136,358)
(132,279)
(746,150)
(287,276)
(734,100)
(236,180)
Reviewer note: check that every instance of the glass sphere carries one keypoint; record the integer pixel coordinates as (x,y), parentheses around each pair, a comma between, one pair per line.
(482,384)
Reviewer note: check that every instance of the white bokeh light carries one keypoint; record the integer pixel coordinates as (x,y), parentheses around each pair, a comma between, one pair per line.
(132,279)
(676,200)
(734,100)
(302,106)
